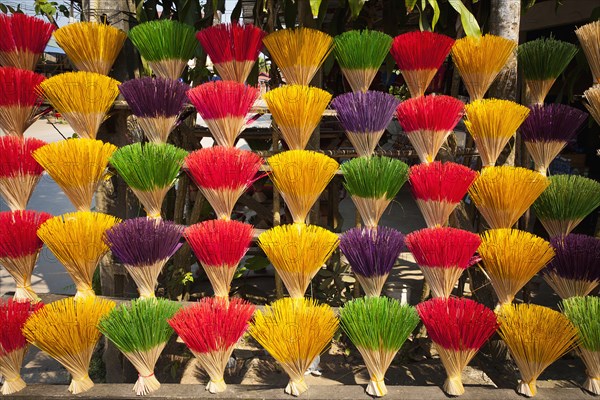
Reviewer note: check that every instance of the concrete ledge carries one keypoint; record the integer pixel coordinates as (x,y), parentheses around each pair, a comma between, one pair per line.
(237,392)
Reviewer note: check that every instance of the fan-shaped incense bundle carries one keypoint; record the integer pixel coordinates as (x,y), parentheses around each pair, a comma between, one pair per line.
(589,38)
(223,105)
(66,330)
(373,183)
(298,52)
(372,254)
(19,99)
(223,174)
(503,194)
(233,48)
(297,111)
(91,46)
(419,55)
(211,329)
(166,44)
(78,166)
(427,121)
(479,60)
(458,327)
(511,258)
(566,202)
(492,123)
(364,117)
(150,170)
(575,270)
(378,327)
(140,330)
(301,176)
(19,172)
(20,248)
(13,345)
(220,245)
(360,54)
(76,241)
(144,246)
(298,252)
(82,98)
(294,332)
(542,61)
(583,312)
(592,95)
(438,188)
(442,254)
(23,39)
(548,129)
(536,336)
(156,102)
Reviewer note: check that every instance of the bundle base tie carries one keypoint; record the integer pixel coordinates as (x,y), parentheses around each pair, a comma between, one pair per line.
(592,385)
(528,389)
(296,388)
(216,386)
(80,384)
(453,386)
(376,387)
(146,384)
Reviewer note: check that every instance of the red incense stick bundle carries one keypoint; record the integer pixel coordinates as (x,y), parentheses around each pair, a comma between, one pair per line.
(19,99)
(23,39)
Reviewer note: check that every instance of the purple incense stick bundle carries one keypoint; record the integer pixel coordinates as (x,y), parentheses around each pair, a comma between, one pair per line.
(547,130)
(575,269)
(365,116)
(144,246)
(156,102)
(372,253)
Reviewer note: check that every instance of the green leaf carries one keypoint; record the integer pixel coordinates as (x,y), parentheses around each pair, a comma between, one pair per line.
(237,11)
(436,13)
(257,263)
(3,8)
(314,7)
(410,5)
(468,21)
(64,10)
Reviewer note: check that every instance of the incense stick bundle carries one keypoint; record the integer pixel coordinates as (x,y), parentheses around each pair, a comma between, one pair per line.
(20,248)
(542,61)
(575,270)
(536,336)
(220,245)
(427,121)
(492,123)
(13,345)
(86,102)
(373,183)
(419,55)
(583,312)
(298,252)
(360,55)
(294,332)
(91,46)
(150,170)
(211,329)
(301,176)
(479,60)
(297,111)
(76,241)
(156,103)
(592,95)
(233,48)
(372,254)
(19,172)
(298,52)
(19,100)
(223,105)
(378,327)
(548,129)
(438,188)
(442,255)
(166,44)
(223,174)
(566,202)
(365,116)
(511,258)
(503,194)
(23,39)
(458,328)
(144,246)
(140,330)
(66,330)
(589,38)
(78,166)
